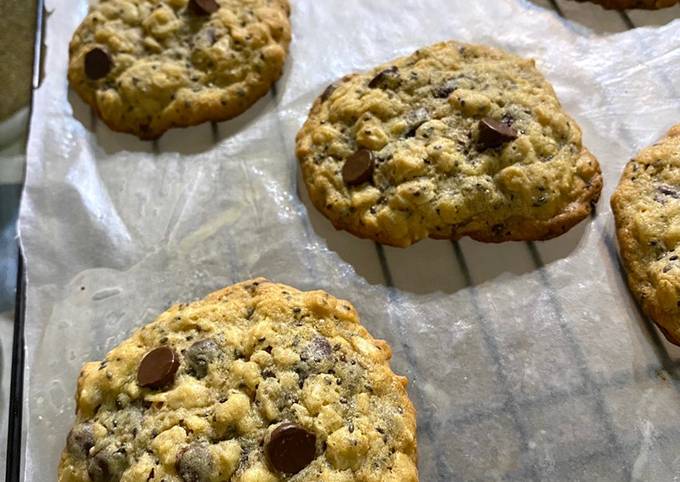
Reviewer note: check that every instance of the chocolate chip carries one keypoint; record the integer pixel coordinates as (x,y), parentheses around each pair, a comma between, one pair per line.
(107,465)
(321,348)
(444,90)
(493,133)
(415,119)
(317,350)
(158,367)
(211,35)
(200,354)
(203,7)
(667,190)
(358,168)
(316,357)
(290,448)
(80,440)
(328,92)
(194,463)
(98,63)
(388,78)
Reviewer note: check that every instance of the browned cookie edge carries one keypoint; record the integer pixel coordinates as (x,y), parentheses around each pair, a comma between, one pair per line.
(626,4)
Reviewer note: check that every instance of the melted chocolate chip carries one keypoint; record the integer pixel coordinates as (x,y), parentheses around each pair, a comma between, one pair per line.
(80,440)
(415,119)
(194,463)
(210,36)
(290,448)
(320,348)
(98,63)
(107,465)
(494,134)
(358,168)
(203,7)
(388,78)
(317,350)
(444,90)
(158,367)
(667,190)
(200,354)
(328,92)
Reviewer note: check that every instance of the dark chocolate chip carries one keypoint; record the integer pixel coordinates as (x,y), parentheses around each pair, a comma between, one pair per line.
(358,168)
(444,90)
(388,78)
(667,190)
(200,354)
(415,119)
(317,350)
(158,367)
(328,92)
(195,463)
(80,440)
(107,465)
(203,7)
(493,133)
(98,63)
(290,448)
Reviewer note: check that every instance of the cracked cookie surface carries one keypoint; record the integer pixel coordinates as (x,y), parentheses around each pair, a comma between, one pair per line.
(646,208)
(455,140)
(258,382)
(626,4)
(148,65)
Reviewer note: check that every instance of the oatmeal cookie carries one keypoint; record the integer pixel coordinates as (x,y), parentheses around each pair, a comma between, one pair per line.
(148,65)
(258,382)
(454,140)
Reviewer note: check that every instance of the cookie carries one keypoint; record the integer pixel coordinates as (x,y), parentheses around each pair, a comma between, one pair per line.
(646,207)
(148,65)
(454,140)
(258,382)
(626,4)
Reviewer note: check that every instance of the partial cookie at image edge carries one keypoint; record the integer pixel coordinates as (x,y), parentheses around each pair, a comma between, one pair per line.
(641,205)
(632,4)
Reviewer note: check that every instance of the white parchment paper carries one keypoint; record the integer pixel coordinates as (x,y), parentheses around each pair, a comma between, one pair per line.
(526,361)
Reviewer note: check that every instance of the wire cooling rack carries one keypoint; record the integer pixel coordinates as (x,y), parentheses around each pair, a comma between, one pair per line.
(511,419)
(610,449)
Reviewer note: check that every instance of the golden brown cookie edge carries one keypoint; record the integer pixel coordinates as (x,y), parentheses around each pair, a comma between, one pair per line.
(636,277)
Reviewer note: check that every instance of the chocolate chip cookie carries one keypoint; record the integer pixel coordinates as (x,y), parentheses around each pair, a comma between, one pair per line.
(626,4)
(257,382)
(149,65)
(454,140)
(646,208)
